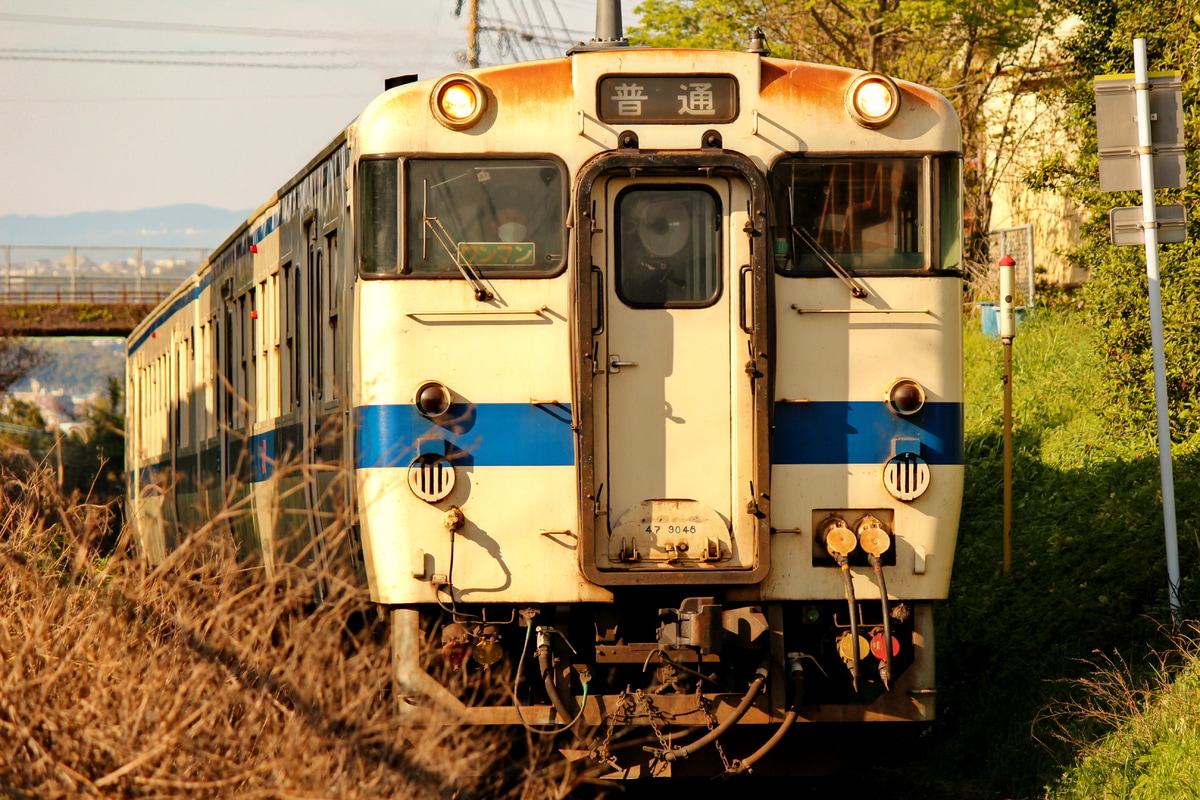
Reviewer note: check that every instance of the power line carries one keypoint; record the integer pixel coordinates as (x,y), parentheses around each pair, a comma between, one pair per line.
(249,53)
(175,62)
(183,27)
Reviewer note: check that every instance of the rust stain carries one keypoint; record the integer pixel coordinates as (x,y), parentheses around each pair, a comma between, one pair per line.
(821,89)
(534,88)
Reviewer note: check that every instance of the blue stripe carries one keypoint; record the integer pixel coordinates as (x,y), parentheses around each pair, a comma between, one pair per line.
(181,302)
(860,432)
(485,435)
(262,456)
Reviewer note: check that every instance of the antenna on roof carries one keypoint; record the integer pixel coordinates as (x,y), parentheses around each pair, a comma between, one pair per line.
(609,34)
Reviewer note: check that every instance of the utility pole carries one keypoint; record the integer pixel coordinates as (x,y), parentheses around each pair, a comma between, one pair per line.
(472,34)
(472,55)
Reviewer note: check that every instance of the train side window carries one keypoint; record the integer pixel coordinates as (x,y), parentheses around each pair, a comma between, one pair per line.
(863,213)
(668,247)
(333,288)
(379,212)
(949,203)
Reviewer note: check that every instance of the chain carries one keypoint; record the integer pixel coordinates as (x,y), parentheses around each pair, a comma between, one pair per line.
(600,752)
(653,716)
(712,723)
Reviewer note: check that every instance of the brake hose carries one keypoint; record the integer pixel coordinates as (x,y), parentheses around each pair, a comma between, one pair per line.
(796,672)
(840,542)
(676,753)
(550,687)
(875,540)
(546,666)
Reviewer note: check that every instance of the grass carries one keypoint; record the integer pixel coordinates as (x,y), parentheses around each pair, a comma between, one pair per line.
(188,680)
(1153,749)
(1088,578)
(119,680)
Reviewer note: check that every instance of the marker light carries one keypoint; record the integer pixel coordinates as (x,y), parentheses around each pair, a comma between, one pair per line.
(905,397)
(873,100)
(458,101)
(432,399)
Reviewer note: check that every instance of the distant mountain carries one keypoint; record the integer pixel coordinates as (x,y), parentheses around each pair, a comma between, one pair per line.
(187,225)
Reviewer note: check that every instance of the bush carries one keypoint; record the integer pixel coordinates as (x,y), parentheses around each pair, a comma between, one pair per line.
(1116,295)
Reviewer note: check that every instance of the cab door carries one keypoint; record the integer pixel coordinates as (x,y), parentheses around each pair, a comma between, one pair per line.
(677,432)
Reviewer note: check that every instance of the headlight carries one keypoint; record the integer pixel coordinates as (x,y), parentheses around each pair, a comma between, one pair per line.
(873,100)
(432,399)
(905,396)
(458,101)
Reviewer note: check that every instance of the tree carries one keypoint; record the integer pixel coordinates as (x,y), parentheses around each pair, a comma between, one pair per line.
(23,428)
(18,358)
(968,51)
(95,460)
(1116,293)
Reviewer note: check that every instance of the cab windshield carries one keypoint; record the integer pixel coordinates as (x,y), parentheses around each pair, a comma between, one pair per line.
(450,217)
(866,214)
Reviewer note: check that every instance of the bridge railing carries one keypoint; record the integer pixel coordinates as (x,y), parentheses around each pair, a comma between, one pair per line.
(67,274)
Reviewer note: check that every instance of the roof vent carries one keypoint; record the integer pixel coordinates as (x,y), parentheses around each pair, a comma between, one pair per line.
(399,80)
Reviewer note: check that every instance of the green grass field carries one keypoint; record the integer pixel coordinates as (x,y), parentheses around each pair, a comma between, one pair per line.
(1020,655)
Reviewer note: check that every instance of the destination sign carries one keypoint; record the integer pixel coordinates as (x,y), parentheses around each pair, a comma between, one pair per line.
(498,254)
(668,99)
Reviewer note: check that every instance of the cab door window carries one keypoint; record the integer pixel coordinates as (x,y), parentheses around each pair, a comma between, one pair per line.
(668,247)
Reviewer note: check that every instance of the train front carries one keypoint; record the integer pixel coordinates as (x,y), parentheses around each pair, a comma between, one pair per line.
(657,397)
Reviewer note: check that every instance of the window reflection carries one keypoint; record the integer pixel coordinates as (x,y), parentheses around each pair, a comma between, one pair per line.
(864,213)
(667,247)
(496,216)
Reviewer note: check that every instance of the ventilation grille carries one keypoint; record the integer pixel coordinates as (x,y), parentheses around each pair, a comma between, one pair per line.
(906,476)
(431,478)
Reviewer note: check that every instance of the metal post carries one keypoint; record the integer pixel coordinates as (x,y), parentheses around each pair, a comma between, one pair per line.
(1008,330)
(1030,264)
(74,267)
(1150,222)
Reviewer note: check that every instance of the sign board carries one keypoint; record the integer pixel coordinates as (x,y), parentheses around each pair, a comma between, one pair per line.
(1127,225)
(666,99)
(1117,132)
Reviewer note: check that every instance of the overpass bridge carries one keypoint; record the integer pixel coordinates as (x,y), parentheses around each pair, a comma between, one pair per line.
(85,290)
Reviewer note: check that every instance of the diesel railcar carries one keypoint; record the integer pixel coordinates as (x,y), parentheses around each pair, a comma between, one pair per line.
(627,382)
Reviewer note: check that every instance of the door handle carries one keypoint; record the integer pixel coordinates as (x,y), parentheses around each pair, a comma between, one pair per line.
(615,363)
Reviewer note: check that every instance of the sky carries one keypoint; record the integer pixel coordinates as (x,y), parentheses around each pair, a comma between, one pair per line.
(117,105)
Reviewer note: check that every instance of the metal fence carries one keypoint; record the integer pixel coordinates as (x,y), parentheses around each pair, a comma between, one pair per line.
(32,274)
(1018,243)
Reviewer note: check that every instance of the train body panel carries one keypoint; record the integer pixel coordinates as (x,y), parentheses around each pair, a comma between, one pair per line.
(651,353)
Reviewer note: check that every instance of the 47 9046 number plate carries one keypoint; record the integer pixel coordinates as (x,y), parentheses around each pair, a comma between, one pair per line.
(684,532)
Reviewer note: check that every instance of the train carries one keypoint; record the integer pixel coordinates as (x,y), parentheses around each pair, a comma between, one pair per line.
(628,384)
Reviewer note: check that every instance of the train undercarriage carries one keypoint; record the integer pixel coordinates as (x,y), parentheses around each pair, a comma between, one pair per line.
(663,684)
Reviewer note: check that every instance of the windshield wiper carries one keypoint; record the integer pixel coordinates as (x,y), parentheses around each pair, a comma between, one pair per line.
(482,292)
(845,275)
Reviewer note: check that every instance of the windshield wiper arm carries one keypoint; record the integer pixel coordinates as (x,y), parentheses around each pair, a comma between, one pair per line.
(482,292)
(843,274)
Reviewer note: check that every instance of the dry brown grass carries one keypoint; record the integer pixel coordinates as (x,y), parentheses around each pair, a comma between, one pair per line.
(190,679)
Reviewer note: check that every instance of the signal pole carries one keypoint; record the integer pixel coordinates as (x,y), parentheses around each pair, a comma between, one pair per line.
(1008,330)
